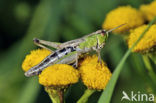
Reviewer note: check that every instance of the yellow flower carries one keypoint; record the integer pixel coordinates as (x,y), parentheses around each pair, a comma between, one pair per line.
(35,57)
(149,10)
(122,15)
(147,42)
(89,59)
(93,74)
(59,75)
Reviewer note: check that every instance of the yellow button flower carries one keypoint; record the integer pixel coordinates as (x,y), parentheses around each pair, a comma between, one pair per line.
(149,10)
(147,42)
(59,75)
(93,74)
(88,59)
(122,15)
(35,57)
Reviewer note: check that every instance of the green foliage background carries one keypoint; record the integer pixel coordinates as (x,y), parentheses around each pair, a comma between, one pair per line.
(60,20)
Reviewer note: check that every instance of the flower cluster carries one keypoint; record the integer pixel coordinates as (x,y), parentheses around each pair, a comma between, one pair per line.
(93,74)
(147,43)
(134,20)
(59,75)
(149,10)
(122,15)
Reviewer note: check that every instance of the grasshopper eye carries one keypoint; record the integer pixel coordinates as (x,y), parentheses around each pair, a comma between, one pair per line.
(103,32)
(100,46)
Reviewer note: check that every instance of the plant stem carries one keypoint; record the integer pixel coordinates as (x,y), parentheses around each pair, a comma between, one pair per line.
(54,95)
(85,96)
(111,84)
(149,68)
(61,93)
(153,57)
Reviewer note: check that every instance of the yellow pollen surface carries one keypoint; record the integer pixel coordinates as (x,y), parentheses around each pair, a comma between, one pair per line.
(35,57)
(59,75)
(122,15)
(93,74)
(147,42)
(149,10)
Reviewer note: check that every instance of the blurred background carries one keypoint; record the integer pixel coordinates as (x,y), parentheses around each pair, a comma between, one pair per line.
(60,21)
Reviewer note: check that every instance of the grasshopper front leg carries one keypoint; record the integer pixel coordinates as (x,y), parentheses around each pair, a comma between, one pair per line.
(99,55)
(77,57)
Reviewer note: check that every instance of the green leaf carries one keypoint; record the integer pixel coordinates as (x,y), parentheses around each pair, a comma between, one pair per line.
(39,26)
(153,57)
(30,91)
(86,95)
(107,93)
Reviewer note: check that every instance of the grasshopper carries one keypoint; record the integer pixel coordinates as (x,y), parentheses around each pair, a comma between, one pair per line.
(69,52)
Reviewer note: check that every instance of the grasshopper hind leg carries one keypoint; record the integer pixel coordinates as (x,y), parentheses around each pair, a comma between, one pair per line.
(47,43)
(36,42)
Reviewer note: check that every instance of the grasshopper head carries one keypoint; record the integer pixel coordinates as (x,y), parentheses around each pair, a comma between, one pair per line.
(102,37)
(104,34)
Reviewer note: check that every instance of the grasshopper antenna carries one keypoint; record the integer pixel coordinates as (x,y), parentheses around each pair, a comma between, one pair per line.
(115,28)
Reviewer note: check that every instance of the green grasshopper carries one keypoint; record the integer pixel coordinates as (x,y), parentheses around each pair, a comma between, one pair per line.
(69,52)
